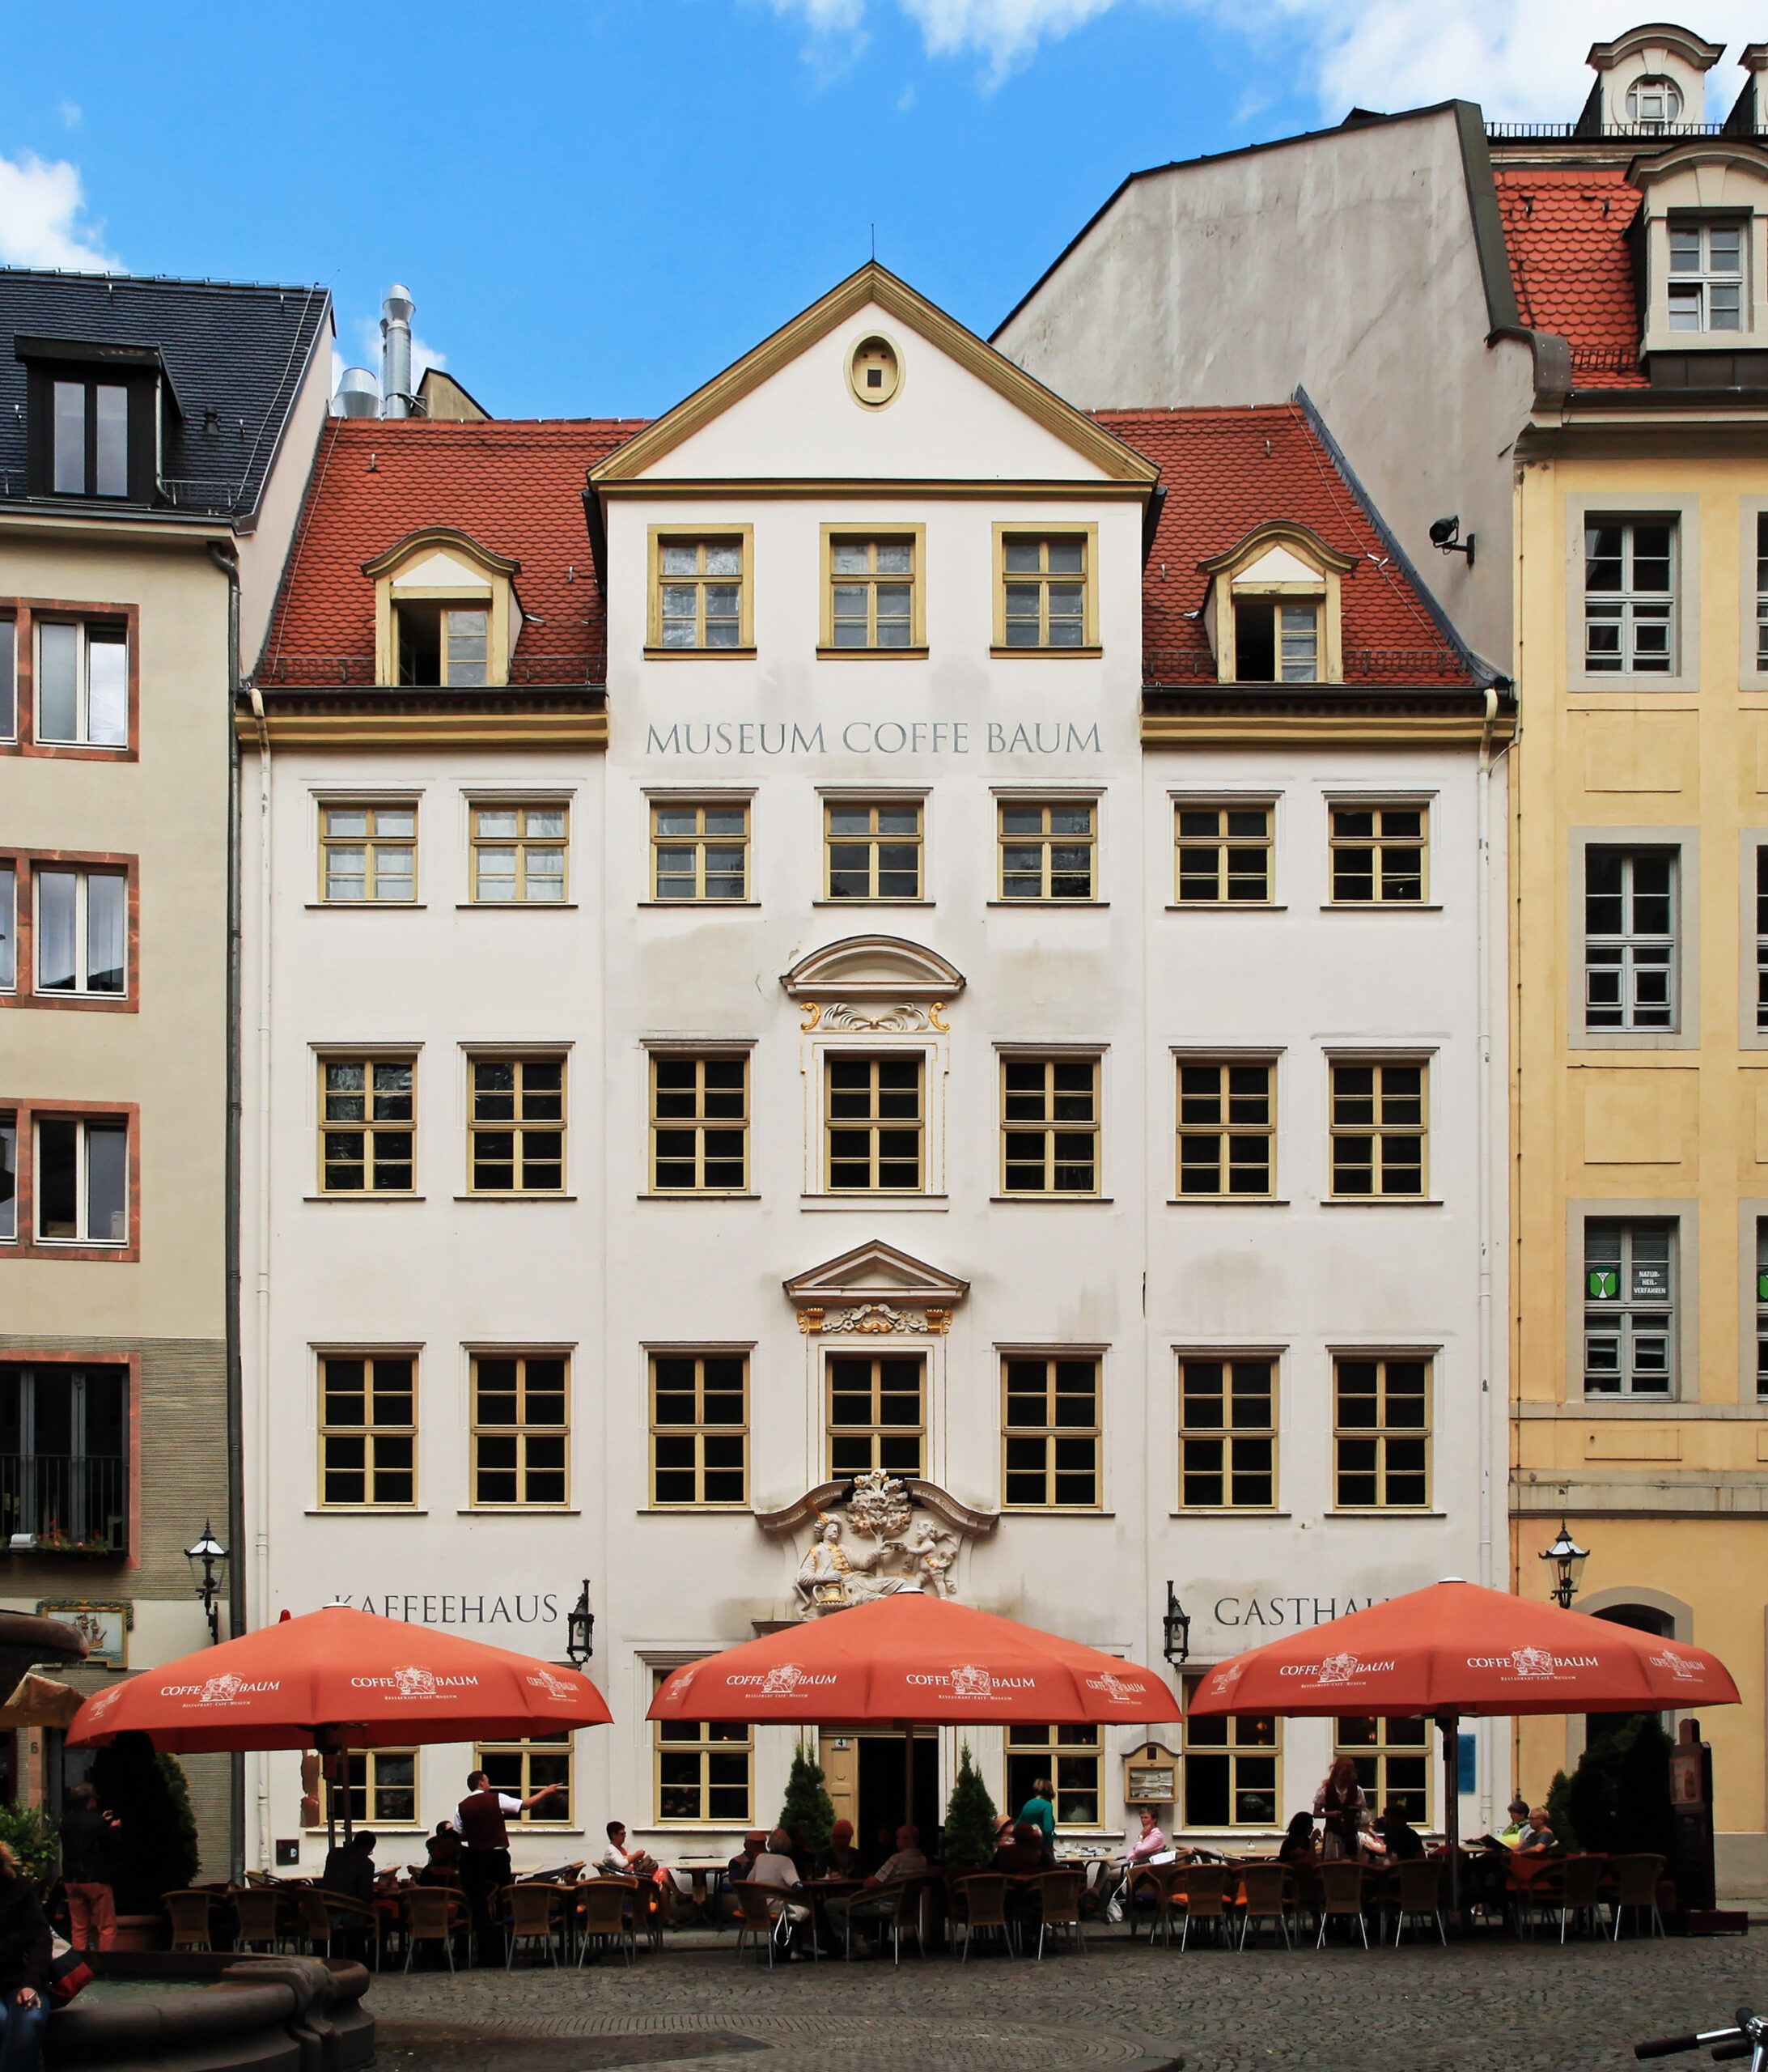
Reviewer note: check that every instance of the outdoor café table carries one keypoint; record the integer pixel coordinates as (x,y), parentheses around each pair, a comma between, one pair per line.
(706,1875)
(819,1891)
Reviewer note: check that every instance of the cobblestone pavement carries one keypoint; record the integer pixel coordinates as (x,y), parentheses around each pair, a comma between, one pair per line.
(1494,2007)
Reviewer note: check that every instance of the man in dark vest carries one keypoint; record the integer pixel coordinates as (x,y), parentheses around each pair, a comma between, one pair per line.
(485,1861)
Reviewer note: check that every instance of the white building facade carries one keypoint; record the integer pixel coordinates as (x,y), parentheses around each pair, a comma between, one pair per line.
(797,1065)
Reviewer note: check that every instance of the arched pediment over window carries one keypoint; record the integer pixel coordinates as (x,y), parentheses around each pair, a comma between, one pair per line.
(872,967)
(446,610)
(1273,611)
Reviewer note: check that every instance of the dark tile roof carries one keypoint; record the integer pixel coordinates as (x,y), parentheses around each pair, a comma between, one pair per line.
(1565,230)
(515,487)
(239,351)
(1227,470)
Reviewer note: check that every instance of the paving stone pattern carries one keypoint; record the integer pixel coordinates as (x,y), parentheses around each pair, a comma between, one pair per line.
(1490,2006)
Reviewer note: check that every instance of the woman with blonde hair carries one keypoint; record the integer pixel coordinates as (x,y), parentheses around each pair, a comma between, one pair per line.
(24,1969)
(1339,1803)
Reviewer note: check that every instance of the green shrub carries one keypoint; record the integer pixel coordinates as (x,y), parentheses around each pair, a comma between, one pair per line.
(30,1836)
(968,1843)
(1559,1814)
(808,1807)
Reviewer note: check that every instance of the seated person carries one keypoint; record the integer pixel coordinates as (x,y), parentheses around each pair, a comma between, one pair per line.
(1540,1839)
(350,1872)
(741,1867)
(775,1870)
(1024,1856)
(1148,1845)
(1298,1846)
(1513,1836)
(442,1851)
(842,1858)
(619,1862)
(803,1856)
(1401,1843)
(874,1901)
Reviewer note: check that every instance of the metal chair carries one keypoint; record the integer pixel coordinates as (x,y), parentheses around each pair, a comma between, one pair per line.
(1269,1893)
(1419,1897)
(431,1915)
(904,1894)
(984,1895)
(1635,1886)
(1580,1892)
(1204,1893)
(1061,1892)
(530,1919)
(259,1913)
(604,1915)
(189,1914)
(1341,1883)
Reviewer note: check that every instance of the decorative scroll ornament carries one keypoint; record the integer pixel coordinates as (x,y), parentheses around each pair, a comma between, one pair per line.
(902,1018)
(874,1320)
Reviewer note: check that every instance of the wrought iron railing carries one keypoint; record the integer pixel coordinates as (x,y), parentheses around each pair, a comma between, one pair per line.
(68,1505)
(1377,664)
(1605,359)
(327,672)
(1607,130)
(188,493)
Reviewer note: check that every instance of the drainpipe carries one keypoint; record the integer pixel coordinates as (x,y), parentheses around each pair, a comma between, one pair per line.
(226,560)
(260,1545)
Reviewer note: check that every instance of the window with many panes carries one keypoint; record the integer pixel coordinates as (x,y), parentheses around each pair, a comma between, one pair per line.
(1227,1433)
(871,594)
(1381,1433)
(1762,937)
(875,1122)
(1224,855)
(368,853)
(521,1428)
(1762,1304)
(82,930)
(82,1180)
(1068,1757)
(1276,640)
(1653,102)
(1379,855)
(1048,851)
(1050,1432)
(699,1428)
(1630,938)
(1230,1769)
(699,601)
(1629,1307)
(871,849)
(1630,596)
(523,1768)
(699,1124)
(367,1122)
(519,854)
(1044,591)
(83,683)
(1228,1129)
(1392,1758)
(368,1428)
(381,1789)
(1707,275)
(516,1141)
(1762,592)
(1050,1125)
(1380,1125)
(700,851)
(877,1413)
(704,1769)
(64,1437)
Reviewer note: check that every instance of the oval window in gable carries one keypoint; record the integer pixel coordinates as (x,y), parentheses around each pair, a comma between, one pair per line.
(875,373)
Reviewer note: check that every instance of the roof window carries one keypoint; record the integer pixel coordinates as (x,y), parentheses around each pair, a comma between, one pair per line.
(1654,102)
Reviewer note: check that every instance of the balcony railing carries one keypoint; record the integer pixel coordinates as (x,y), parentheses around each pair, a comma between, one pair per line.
(1607,130)
(332,672)
(186,493)
(67,1506)
(1361,665)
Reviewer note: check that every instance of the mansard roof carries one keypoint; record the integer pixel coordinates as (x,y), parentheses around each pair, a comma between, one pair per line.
(1565,230)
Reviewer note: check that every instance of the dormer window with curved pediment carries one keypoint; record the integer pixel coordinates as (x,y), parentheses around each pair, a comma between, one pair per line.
(1703,222)
(446,612)
(1273,611)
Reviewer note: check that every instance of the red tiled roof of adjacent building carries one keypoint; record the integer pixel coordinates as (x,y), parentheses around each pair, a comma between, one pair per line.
(1565,230)
(1227,471)
(516,488)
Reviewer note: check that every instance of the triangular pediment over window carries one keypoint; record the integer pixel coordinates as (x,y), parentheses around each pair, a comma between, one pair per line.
(872,967)
(875,1272)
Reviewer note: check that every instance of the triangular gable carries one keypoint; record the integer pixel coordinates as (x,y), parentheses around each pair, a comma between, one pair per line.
(875,285)
(875,1272)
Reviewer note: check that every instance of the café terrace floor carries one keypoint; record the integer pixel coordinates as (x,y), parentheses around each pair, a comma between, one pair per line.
(1490,2005)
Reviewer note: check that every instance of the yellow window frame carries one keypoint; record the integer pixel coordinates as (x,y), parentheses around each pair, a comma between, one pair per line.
(522,842)
(701,537)
(873,537)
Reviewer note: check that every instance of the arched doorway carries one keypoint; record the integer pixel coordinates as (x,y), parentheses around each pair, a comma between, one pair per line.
(1642,1619)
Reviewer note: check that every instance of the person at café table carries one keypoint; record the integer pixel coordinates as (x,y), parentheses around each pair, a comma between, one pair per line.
(775,1870)
(1339,1803)
(1513,1836)
(1400,1842)
(1298,1845)
(1149,1844)
(1540,1839)
(638,1864)
(874,1901)
(1041,1809)
(841,1859)
(1025,1855)
(741,1867)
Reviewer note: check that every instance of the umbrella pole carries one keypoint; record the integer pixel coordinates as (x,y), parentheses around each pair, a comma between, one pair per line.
(1450,1724)
(908,1773)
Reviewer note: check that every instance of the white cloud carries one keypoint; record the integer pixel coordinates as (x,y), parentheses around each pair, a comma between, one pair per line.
(70,113)
(40,205)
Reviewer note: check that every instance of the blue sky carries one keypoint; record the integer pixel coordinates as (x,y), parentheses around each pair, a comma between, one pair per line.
(598,203)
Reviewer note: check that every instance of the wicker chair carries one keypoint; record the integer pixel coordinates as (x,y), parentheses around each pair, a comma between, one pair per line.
(1061,1891)
(1418,1896)
(1635,1886)
(432,1914)
(1269,1893)
(604,1915)
(983,1896)
(1342,1883)
(1204,1892)
(189,1914)
(1580,1892)
(909,1897)
(258,1913)
(756,1921)
(530,1919)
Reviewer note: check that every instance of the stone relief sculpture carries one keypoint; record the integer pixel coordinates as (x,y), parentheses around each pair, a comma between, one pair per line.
(904,1554)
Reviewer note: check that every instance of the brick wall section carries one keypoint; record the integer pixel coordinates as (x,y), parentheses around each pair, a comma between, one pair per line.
(180,1426)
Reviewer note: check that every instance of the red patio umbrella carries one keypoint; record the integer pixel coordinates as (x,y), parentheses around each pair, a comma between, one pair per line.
(911,1660)
(1456,1649)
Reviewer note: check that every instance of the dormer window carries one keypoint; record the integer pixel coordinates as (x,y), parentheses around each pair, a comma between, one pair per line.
(93,429)
(447,612)
(1654,103)
(1276,641)
(1272,609)
(440,644)
(91,439)
(1706,276)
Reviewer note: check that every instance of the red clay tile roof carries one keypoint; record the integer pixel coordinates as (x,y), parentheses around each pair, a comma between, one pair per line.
(515,487)
(1565,231)
(1225,472)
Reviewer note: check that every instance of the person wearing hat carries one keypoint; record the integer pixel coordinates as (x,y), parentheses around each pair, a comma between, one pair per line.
(740,1869)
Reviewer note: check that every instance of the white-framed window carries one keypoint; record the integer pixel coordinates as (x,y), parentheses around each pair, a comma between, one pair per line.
(518,853)
(82,930)
(1630,905)
(1654,103)
(83,683)
(1629,1307)
(368,1429)
(368,853)
(81,1173)
(1707,275)
(443,643)
(1629,585)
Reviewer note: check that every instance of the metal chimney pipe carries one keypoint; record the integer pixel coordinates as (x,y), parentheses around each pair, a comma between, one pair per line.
(396,352)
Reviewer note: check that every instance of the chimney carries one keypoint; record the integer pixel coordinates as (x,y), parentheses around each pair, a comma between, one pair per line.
(396,352)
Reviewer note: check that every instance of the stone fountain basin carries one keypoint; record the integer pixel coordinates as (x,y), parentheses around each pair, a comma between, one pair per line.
(218,2013)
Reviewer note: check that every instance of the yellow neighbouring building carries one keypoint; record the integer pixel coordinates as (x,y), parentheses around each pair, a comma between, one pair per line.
(1639,874)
